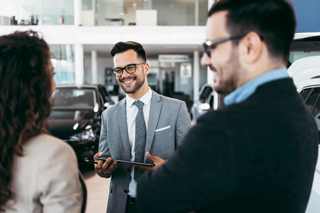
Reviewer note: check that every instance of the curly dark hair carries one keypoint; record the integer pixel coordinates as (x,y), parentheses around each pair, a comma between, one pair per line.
(25,89)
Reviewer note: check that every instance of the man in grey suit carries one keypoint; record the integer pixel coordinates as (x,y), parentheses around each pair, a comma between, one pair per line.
(144,126)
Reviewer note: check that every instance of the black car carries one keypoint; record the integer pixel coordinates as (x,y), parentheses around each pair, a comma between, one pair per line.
(75,117)
(204,103)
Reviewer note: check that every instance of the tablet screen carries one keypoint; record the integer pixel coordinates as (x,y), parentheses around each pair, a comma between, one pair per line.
(133,163)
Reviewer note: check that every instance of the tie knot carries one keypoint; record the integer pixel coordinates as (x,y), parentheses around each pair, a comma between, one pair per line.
(139,104)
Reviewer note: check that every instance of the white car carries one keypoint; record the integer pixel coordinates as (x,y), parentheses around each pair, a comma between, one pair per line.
(306,75)
(311,96)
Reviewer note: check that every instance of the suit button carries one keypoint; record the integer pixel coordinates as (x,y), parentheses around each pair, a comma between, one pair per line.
(126,191)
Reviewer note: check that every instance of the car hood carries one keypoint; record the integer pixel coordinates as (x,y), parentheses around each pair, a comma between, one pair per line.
(61,122)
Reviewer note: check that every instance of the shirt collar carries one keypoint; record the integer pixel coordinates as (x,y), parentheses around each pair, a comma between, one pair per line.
(146,98)
(247,89)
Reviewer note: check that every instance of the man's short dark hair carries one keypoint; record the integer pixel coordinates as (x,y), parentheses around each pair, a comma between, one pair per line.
(129,45)
(273,20)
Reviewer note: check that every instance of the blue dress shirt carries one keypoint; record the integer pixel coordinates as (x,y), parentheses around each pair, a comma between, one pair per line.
(247,89)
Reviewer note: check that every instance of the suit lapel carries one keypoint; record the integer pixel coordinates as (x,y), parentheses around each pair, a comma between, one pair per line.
(123,130)
(155,109)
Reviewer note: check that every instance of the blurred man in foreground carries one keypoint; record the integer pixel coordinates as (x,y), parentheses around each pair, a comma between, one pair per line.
(258,154)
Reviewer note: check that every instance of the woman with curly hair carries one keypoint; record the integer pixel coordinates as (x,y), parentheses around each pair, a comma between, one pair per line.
(38,173)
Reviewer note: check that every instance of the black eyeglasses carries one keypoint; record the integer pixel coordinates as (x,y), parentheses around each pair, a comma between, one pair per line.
(210,45)
(130,69)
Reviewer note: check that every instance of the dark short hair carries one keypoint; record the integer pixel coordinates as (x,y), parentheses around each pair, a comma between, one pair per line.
(273,20)
(129,45)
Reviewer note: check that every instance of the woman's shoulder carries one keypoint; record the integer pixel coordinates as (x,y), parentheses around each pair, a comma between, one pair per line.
(50,165)
(50,154)
(46,140)
(45,144)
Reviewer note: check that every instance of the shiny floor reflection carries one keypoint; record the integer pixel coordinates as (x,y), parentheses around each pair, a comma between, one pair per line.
(97,192)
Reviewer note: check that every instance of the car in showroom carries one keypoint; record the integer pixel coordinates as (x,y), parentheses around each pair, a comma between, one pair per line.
(305,71)
(311,97)
(204,103)
(75,117)
(208,100)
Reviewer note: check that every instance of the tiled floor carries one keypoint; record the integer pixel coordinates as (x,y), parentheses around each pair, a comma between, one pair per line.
(97,192)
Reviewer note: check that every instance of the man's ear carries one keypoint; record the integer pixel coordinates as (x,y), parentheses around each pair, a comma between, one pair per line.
(146,68)
(251,47)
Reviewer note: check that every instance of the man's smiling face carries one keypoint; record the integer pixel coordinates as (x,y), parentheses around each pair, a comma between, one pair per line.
(131,83)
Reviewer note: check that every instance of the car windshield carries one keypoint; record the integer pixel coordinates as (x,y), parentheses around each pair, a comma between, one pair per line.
(73,98)
(301,48)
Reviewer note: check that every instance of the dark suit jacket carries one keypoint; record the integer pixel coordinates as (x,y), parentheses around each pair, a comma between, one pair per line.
(255,156)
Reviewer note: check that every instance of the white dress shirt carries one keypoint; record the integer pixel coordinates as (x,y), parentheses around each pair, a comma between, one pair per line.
(132,112)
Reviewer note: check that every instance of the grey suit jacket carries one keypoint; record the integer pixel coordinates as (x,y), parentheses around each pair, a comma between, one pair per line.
(168,122)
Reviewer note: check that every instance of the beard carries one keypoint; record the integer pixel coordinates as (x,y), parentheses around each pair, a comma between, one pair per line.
(224,88)
(226,78)
(131,84)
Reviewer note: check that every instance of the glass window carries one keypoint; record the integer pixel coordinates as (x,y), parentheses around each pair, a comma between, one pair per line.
(74,98)
(312,100)
(63,63)
(87,4)
(36,12)
(148,12)
(304,93)
(295,55)
(311,97)
(304,48)
(177,12)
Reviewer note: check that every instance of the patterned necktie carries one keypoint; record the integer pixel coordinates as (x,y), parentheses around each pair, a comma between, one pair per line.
(141,133)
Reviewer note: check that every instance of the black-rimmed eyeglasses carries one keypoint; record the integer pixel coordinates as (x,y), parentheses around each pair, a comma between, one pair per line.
(210,45)
(130,69)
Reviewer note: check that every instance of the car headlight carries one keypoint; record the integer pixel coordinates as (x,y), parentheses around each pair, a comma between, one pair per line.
(86,135)
(204,107)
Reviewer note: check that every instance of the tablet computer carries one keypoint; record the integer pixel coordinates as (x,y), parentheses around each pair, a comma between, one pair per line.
(133,163)
(129,163)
